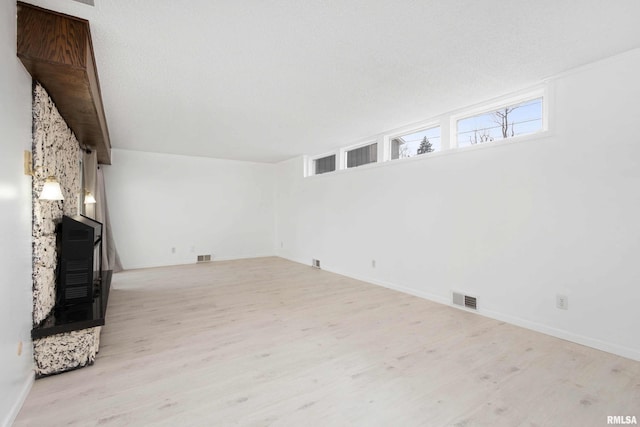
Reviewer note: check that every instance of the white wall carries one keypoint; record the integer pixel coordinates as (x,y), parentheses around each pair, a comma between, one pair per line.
(196,205)
(16,372)
(513,225)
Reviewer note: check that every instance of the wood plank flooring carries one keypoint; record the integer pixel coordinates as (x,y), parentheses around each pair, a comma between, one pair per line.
(268,342)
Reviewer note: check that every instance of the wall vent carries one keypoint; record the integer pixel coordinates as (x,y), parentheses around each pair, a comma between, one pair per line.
(466,301)
(204,258)
(315,263)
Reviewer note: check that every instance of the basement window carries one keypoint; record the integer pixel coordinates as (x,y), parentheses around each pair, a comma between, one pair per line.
(521,116)
(506,121)
(415,143)
(362,155)
(324,164)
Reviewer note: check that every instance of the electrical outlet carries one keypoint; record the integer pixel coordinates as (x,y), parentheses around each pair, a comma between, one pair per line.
(173,250)
(562,302)
(373,263)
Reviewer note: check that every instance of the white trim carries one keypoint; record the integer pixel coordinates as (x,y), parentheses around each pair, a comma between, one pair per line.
(310,165)
(410,291)
(548,108)
(214,259)
(415,292)
(237,257)
(538,91)
(305,166)
(523,96)
(341,164)
(386,148)
(352,147)
(17,405)
(388,137)
(627,352)
(501,142)
(414,129)
(346,150)
(382,148)
(448,129)
(542,135)
(445,134)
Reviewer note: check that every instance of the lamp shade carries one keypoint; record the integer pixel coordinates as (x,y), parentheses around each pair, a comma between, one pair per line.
(89,199)
(51,190)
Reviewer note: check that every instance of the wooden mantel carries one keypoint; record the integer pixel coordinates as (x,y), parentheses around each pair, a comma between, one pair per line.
(57,51)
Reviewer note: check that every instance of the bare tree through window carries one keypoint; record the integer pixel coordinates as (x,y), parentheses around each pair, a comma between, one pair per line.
(505,122)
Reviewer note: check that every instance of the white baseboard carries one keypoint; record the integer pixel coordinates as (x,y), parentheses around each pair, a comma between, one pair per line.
(17,405)
(404,290)
(618,350)
(191,262)
(233,258)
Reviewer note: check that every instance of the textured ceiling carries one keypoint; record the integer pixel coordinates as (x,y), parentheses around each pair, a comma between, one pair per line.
(269,80)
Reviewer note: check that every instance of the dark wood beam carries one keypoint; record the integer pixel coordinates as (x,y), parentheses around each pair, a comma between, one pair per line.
(57,51)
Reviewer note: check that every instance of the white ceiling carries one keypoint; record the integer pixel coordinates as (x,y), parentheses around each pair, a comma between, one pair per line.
(269,80)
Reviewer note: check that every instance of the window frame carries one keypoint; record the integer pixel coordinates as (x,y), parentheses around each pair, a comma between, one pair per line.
(311,163)
(388,138)
(448,124)
(495,105)
(345,153)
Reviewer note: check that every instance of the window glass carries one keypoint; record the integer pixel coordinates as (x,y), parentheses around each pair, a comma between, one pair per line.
(362,155)
(324,164)
(415,143)
(506,122)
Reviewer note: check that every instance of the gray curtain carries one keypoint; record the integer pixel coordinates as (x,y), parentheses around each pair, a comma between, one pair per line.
(93,179)
(110,258)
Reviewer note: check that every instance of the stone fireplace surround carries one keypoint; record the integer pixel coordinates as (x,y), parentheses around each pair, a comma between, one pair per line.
(57,152)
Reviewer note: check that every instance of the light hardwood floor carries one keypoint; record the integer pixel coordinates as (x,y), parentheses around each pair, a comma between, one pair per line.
(271,342)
